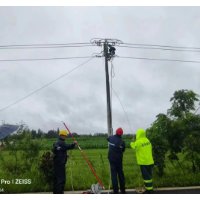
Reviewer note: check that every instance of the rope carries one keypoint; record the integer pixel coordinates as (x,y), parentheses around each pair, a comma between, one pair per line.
(112,74)
(139,189)
(112,90)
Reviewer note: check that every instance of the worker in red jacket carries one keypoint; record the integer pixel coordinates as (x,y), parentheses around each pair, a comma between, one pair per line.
(115,157)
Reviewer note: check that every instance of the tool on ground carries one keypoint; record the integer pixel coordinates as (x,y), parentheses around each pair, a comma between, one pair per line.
(95,189)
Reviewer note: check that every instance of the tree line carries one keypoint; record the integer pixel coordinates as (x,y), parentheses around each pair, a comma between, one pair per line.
(177,133)
(36,134)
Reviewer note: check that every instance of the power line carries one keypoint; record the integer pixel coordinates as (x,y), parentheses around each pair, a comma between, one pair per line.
(196,110)
(86,43)
(161,49)
(67,46)
(46,85)
(27,45)
(137,58)
(162,46)
(44,47)
(34,59)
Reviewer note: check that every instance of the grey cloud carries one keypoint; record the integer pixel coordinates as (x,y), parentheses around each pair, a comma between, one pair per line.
(79,98)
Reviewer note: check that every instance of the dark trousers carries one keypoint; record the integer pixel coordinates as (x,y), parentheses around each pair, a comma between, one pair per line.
(146,171)
(116,169)
(59,179)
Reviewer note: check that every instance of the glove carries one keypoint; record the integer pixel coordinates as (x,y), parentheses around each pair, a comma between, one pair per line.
(58,148)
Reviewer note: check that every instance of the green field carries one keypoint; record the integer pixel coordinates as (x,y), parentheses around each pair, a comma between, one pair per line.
(88,142)
(80,177)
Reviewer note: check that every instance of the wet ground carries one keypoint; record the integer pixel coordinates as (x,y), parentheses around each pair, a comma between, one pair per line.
(172,190)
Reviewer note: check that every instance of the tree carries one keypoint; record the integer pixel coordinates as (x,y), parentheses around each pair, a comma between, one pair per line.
(178,133)
(192,149)
(183,102)
(191,141)
(46,169)
(58,131)
(75,135)
(21,145)
(39,133)
(33,133)
(159,144)
(52,134)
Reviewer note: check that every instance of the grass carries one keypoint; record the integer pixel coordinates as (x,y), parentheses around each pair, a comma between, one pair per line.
(83,178)
(87,142)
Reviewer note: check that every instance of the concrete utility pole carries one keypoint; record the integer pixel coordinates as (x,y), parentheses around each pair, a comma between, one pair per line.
(108,56)
(109,116)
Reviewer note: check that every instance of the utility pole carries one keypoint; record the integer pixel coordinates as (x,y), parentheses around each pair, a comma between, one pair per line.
(107,42)
(109,116)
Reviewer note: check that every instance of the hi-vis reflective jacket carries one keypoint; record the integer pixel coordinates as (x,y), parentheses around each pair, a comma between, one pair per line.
(143,148)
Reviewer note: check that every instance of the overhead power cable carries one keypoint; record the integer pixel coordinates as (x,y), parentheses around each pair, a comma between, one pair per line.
(44,47)
(45,85)
(165,46)
(34,59)
(64,58)
(90,44)
(137,58)
(33,45)
(157,48)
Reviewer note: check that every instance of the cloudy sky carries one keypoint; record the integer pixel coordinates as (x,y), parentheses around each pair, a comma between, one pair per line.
(79,98)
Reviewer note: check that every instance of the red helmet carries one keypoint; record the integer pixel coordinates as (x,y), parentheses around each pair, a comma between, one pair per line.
(119,131)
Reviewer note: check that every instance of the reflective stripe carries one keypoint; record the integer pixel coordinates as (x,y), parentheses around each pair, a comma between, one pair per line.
(148,181)
(149,188)
(115,145)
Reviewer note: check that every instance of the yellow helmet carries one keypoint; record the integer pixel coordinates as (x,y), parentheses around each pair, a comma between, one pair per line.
(63,132)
